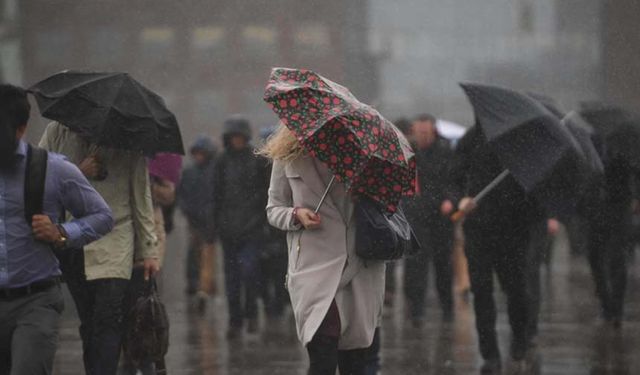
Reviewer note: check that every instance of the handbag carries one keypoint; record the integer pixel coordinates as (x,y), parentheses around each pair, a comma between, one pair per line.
(381,235)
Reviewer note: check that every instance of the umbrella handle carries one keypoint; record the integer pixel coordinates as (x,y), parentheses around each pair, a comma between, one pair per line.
(324,196)
(457,216)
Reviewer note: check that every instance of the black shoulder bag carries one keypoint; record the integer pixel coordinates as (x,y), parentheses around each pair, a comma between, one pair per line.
(381,235)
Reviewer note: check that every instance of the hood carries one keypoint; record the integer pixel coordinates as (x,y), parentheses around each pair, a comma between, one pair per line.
(236,124)
(205,144)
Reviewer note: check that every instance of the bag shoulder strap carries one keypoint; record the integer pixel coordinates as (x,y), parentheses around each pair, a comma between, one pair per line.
(34,182)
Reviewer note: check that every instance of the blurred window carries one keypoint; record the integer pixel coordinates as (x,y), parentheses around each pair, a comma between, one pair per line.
(208,42)
(156,42)
(260,41)
(107,46)
(312,39)
(53,47)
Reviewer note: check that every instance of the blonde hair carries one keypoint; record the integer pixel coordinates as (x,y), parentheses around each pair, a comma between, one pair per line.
(281,145)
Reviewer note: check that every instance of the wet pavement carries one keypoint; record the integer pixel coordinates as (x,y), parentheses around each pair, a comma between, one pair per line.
(572,338)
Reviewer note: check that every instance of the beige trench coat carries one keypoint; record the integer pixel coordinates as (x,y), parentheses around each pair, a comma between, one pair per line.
(325,266)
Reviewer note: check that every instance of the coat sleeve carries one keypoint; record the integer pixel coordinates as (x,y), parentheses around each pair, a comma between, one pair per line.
(49,137)
(279,205)
(142,211)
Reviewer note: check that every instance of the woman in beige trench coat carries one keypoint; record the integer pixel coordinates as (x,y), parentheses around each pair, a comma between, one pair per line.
(337,298)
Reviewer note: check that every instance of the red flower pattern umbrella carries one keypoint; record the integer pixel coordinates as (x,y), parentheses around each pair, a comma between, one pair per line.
(361,148)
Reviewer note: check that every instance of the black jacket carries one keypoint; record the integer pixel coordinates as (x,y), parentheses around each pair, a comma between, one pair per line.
(504,209)
(240,194)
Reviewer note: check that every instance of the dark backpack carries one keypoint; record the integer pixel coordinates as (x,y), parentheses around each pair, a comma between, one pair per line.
(146,335)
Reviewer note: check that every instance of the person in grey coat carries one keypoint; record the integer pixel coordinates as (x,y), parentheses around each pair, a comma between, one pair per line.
(337,299)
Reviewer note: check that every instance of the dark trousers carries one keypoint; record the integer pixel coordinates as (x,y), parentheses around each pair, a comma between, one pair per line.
(325,358)
(436,238)
(29,332)
(504,254)
(538,253)
(609,245)
(194,255)
(273,270)
(100,308)
(242,278)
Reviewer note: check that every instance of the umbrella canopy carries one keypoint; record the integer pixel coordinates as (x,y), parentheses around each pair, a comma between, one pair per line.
(450,130)
(361,148)
(530,142)
(618,128)
(549,103)
(583,132)
(109,109)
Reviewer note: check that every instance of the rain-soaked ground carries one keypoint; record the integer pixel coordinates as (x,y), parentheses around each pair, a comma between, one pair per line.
(572,338)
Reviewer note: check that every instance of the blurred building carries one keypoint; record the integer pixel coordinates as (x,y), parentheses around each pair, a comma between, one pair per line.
(10,63)
(207,58)
(428,46)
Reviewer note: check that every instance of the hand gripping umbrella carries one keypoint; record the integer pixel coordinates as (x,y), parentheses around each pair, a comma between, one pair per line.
(109,109)
(530,143)
(360,147)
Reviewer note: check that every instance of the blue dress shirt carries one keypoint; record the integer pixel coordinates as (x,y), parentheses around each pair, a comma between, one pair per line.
(23,260)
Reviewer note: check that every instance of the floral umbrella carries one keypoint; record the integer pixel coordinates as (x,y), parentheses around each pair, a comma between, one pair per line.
(363,150)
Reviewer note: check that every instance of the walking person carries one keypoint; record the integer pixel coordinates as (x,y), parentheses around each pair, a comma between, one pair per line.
(428,213)
(496,241)
(98,276)
(240,182)
(337,299)
(31,300)
(195,199)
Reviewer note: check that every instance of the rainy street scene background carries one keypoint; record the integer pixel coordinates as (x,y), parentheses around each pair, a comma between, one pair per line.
(532,102)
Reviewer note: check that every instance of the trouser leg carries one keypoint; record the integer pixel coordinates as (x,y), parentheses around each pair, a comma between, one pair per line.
(193,260)
(481,276)
(250,273)
(416,273)
(510,268)
(107,327)
(232,283)
(31,325)
(441,249)
(618,255)
(353,362)
(323,355)
(373,354)
(535,253)
(597,261)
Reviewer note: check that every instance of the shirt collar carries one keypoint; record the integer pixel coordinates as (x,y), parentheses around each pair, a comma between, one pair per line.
(22,148)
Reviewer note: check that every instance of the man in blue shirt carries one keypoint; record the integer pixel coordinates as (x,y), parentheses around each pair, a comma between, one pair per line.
(30,298)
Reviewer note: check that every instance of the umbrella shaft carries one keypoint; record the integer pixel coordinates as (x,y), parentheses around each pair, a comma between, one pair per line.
(324,196)
(487,189)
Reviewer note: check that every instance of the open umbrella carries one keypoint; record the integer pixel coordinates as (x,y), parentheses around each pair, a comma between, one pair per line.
(109,109)
(360,147)
(530,143)
(618,128)
(583,133)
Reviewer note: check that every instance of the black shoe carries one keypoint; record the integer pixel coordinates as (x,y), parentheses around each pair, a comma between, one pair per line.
(201,302)
(233,333)
(491,366)
(252,327)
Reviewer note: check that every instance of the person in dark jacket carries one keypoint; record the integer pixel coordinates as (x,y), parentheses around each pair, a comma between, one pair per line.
(608,209)
(497,239)
(428,214)
(195,199)
(241,180)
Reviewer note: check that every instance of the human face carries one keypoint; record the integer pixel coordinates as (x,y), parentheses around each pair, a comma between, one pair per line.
(424,133)
(238,142)
(199,157)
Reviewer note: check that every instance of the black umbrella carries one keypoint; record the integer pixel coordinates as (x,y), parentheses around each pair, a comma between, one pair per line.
(618,129)
(109,109)
(583,133)
(549,103)
(530,143)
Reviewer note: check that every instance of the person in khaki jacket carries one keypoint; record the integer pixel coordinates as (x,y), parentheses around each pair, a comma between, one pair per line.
(336,298)
(98,276)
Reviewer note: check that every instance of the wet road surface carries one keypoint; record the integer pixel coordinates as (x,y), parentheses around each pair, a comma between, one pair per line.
(572,338)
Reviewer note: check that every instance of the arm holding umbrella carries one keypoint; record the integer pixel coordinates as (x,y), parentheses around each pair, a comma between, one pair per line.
(468,204)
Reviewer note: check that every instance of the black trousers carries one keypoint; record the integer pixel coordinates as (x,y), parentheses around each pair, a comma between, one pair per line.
(538,253)
(241,279)
(100,308)
(610,242)
(325,358)
(29,332)
(274,293)
(504,254)
(436,238)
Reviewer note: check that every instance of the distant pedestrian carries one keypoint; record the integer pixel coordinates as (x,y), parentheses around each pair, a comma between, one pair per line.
(428,212)
(240,182)
(195,199)
(98,276)
(337,297)
(31,301)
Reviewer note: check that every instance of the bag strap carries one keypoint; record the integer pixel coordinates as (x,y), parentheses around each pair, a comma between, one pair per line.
(34,182)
